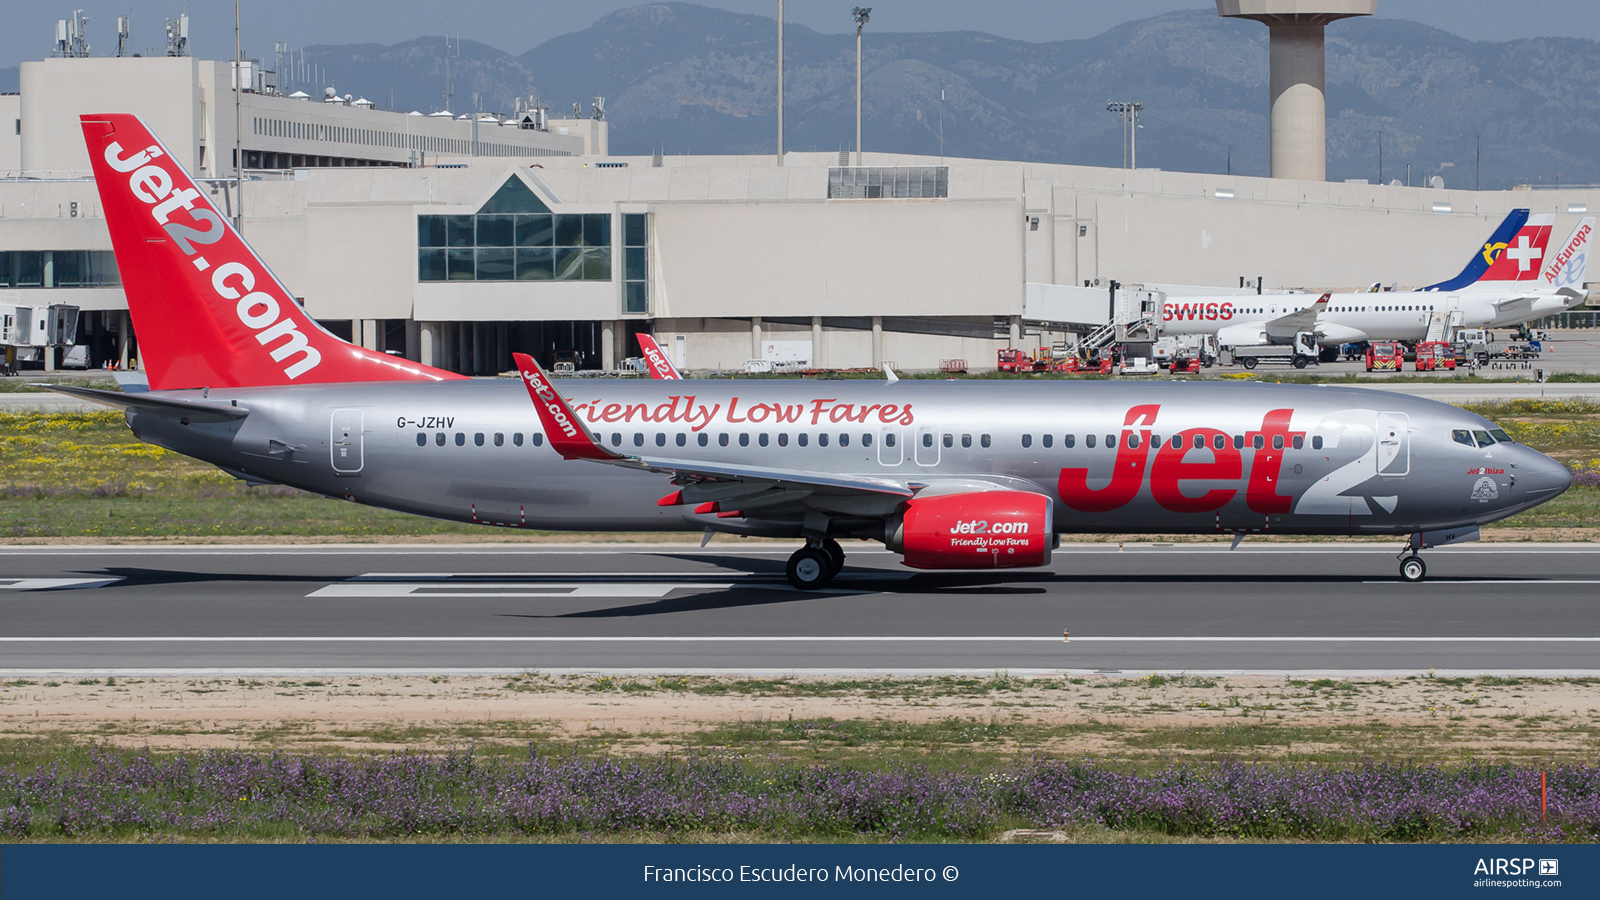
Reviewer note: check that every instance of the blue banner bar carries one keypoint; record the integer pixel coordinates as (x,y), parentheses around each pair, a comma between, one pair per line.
(392,871)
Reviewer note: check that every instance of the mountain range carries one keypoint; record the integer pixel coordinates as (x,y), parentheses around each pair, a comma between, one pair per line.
(685,78)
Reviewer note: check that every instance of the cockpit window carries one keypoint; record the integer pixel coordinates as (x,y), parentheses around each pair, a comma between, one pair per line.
(1484,440)
(1462,436)
(1500,435)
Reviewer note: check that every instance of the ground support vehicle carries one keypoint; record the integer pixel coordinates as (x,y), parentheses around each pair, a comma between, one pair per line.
(1384,356)
(1301,353)
(1435,355)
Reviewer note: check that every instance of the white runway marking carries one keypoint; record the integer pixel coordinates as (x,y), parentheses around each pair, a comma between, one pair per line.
(1451,581)
(53,584)
(644,590)
(773,639)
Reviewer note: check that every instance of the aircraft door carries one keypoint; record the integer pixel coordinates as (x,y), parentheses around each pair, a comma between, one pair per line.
(891,451)
(1394,444)
(927,450)
(346,441)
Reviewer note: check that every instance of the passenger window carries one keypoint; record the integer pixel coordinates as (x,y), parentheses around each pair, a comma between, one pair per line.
(517,439)
(783,439)
(844,440)
(461,439)
(703,439)
(638,439)
(802,437)
(1199,442)
(822,439)
(1046,439)
(1277,442)
(966,440)
(1219,441)
(682,439)
(538,439)
(984,440)
(949,441)
(889,439)
(477,439)
(1111,442)
(1258,442)
(1299,441)
(1484,440)
(1316,442)
(744,439)
(439,439)
(499,439)
(1238,442)
(616,439)
(762,438)
(866,440)
(422,439)
(1500,435)
(722,439)
(661,439)
(1088,441)
(1133,441)
(927,440)
(1027,440)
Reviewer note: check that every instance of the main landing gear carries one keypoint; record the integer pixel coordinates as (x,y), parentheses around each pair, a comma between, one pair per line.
(815,564)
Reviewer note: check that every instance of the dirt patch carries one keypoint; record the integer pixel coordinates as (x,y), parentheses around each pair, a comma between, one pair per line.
(1419,717)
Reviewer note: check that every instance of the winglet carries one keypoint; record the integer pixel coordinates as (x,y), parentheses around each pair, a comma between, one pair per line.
(661,368)
(563,428)
(889,377)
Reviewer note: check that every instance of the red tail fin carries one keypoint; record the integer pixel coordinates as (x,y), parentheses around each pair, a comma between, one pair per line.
(1523,257)
(208,311)
(661,368)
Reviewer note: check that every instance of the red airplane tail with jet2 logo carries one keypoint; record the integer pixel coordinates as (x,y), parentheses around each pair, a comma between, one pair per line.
(207,310)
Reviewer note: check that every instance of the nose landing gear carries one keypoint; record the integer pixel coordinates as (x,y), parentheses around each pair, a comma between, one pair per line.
(815,564)
(1413,569)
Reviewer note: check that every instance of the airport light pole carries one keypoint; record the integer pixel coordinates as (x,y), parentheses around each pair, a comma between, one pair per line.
(1129,110)
(780,82)
(862,15)
(238,142)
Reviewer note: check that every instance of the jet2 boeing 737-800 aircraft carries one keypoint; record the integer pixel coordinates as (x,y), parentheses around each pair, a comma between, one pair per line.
(951,474)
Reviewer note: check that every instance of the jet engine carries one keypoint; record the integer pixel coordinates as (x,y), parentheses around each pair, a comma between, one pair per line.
(975,530)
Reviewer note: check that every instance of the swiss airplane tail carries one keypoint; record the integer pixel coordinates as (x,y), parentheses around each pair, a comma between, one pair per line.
(208,311)
(661,368)
(1485,256)
(1523,257)
(1567,266)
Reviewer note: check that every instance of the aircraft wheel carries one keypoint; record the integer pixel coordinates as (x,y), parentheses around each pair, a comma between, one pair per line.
(1412,569)
(809,568)
(835,556)
(1249,362)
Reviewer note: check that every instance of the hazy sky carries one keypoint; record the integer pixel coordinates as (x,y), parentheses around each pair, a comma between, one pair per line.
(518,25)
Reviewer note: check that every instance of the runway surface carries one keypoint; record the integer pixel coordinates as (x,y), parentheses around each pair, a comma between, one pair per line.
(1313,609)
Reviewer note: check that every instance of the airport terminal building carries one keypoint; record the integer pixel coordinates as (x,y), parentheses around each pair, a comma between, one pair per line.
(455,240)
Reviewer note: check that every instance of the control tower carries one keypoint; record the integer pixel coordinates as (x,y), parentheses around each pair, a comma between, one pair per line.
(1299,108)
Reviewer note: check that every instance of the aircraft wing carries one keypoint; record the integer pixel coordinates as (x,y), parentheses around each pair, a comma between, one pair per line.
(727,489)
(171,408)
(1285,327)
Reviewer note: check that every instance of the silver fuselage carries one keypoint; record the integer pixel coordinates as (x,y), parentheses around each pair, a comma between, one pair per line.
(1369,462)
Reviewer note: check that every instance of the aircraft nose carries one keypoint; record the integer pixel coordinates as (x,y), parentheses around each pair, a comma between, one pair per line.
(1544,477)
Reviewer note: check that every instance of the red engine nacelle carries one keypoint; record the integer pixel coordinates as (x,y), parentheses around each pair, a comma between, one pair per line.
(980,530)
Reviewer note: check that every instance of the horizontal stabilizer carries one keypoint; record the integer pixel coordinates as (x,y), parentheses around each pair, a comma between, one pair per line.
(145,404)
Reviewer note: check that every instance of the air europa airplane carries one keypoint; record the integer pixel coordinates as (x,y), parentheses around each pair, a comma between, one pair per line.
(953,475)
